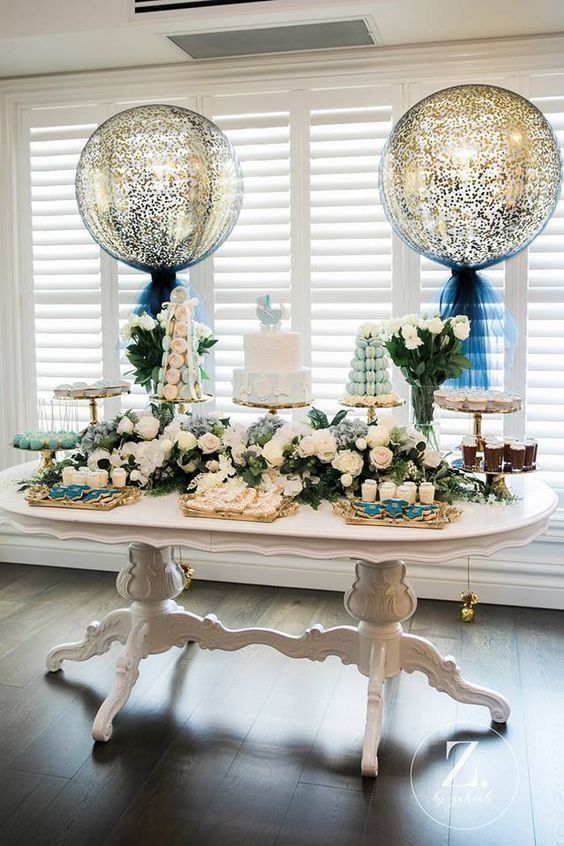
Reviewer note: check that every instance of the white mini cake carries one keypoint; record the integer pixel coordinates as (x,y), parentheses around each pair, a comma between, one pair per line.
(272,374)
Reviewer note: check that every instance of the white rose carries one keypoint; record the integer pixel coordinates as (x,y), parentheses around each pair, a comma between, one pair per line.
(95,457)
(378,436)
(461,328)
(166,446)
(413,342)
(435,325)
(272,453)
(325,446)
(137,476)
(361,443)
(212,466)
(116,459)
(432,458)
(381,457)
(129,448)
(408,330)
(238,454)
(306,446)
(349,462)
(392,327)
(209,442)
(189,467)
(292,485)
(186,441)
(125,426)
(126,332)
(346,480)
(146,322)
(147,428)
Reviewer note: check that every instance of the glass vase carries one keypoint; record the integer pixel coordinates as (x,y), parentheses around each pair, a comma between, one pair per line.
(424,415)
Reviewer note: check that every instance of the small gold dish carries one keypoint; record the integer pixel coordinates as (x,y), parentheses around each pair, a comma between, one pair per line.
(38,496)
(353,515)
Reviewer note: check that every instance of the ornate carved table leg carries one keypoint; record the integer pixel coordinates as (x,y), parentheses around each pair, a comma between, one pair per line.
(97,640)
(380,599)
(444,674)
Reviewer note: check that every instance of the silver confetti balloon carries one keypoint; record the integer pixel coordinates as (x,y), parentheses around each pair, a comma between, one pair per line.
(159,187)
(470,175)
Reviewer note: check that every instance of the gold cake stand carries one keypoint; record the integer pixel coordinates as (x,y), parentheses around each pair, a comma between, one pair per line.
(182,404)
(92,398)
(272,409)
(372,409)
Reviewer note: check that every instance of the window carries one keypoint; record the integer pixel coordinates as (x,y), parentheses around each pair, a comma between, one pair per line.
(312,232)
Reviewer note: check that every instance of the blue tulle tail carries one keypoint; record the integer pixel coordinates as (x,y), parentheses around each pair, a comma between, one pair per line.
(157,292)
(492,328)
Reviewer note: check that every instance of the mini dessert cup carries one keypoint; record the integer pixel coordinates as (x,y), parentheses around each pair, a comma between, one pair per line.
(531,447)
(507,450)
(493,457)
(426,493)
(517,457)
(469,448)
(368,491)
(387,490)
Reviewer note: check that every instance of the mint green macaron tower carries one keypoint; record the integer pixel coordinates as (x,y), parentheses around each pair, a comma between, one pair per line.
(370,366)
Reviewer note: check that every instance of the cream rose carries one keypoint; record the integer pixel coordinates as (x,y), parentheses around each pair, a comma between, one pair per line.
(325,446)
(361,443)
(272,453)
(435,325)
(432,458)
(306,446)
(125,426)
(348,462)
(378,436)
(147,428)
(346,480)
(381,457)
(209,442)
(461,328)
(186,441)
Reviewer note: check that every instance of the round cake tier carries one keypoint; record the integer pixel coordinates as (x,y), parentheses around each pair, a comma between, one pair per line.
(272,387)
(272,351)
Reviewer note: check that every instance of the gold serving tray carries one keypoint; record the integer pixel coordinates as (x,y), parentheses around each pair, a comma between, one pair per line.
(286,509)
(37,497)
(444,515)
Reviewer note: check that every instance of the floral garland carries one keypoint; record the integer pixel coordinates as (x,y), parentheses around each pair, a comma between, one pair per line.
(312,461)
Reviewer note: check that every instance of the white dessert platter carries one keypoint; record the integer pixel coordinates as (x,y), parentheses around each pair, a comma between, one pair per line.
(378,601)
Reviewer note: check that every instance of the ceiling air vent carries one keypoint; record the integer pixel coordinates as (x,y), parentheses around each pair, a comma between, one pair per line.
(278,39)
(143,6)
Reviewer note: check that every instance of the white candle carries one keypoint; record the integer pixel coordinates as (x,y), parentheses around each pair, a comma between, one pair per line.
(426,493)
(387,490)
(369,489)
(69,474)
(119,477)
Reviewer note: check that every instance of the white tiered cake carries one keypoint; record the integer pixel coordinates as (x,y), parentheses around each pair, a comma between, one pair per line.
(272,375)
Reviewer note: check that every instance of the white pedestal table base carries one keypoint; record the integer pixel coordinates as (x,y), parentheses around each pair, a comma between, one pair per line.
(380,599)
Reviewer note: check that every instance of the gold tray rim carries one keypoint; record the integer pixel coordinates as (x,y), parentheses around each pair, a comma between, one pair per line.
(346,510)
(274,406)
(344,402)
(128,496)
(287,507)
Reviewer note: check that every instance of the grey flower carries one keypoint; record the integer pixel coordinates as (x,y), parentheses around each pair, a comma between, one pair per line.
(348,431)
(264,428)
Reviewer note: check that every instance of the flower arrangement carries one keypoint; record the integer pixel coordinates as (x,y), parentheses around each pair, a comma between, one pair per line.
(144,335)
(428,351)
(312,461)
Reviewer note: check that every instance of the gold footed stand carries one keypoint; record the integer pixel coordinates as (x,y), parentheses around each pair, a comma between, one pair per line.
(92,399)
(371,409)
(270,407)
(183,404)
(46,459)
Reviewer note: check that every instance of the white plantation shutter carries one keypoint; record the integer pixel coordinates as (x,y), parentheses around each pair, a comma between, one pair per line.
(545,318)
(256,258)
(66,262)
(351,240)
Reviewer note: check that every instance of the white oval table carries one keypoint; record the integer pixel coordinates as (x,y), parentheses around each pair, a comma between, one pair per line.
(379,599)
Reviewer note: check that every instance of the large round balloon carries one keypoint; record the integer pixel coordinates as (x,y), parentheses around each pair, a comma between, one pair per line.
(159,187)
(470,175)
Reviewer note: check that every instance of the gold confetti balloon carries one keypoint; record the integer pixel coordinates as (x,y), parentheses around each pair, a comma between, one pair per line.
(470,175)
(159,187)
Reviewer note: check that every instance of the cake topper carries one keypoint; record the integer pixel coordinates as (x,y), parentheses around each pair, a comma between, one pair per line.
(269,316)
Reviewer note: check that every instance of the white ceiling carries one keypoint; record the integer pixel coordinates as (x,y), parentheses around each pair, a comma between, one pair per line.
(53,36)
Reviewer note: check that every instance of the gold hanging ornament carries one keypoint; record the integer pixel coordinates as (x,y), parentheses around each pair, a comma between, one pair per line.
(468,598)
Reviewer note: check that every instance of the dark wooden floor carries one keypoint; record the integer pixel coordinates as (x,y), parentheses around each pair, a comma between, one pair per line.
(251,747)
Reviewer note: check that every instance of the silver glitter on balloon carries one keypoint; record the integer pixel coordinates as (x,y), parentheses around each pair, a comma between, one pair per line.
(159,187)
(470,175)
